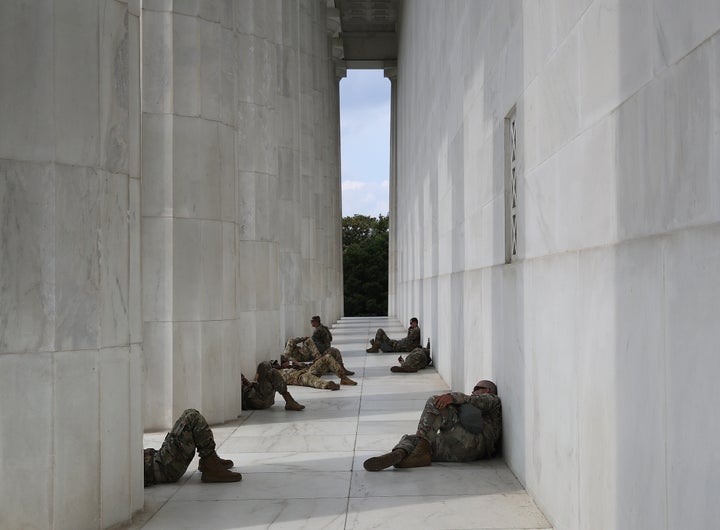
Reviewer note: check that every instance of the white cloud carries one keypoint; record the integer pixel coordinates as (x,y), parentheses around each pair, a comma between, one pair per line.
(353,185)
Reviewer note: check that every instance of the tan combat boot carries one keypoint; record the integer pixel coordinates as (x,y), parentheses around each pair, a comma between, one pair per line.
(419,457)
(374,347)
(345,380)
(347,372)
(225,464)
(290,403)
(377,463)
(213,470)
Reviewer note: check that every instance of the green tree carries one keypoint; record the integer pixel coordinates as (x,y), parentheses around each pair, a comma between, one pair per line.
(365,265)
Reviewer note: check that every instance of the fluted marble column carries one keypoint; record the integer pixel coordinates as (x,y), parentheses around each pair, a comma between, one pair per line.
(189,210)
(240,194)
(391,73)
(70,324)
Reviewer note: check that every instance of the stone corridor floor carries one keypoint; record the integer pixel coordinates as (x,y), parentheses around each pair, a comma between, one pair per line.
(304,469)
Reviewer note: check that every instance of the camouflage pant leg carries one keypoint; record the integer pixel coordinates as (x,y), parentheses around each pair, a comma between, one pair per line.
(433,419)
(326,364)
(304,351)
(289,347)
(334,353)
(261,394)
(313,381)
(454,445)
(407,443)
(309,350)
(457,445)
(415,360)
(402,345)
(190,433)
(385,343)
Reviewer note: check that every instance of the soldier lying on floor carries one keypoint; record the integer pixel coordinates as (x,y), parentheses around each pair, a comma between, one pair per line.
(300,374)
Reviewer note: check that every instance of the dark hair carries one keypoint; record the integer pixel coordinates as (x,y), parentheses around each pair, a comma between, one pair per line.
(493,386)
(316,318)
(414,319)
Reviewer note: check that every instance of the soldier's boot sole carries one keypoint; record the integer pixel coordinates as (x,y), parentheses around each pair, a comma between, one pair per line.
(220,476)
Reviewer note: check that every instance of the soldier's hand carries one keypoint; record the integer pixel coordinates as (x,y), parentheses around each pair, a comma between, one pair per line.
(401,360)
(443,401)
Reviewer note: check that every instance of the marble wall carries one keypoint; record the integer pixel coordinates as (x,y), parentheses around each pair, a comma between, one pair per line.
(169,213)
(600,330)
(70,320)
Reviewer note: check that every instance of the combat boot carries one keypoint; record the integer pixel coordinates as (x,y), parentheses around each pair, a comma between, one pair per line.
(374,347)
(377,463)
(290,403)
(214,471)
(347,372)
(345,380)
(419,457)
(332,385)
(225,464)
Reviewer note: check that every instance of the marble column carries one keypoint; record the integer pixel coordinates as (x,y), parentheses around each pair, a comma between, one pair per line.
(70,324)
(189,210)
(391,73)
(241,219)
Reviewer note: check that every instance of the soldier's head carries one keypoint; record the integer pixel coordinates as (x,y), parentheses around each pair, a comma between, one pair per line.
(413,322)
(263,370)
(315,321)
(484,387)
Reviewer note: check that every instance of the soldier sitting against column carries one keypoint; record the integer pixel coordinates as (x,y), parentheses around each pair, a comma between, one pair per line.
(189,434)
(453,427)
(260,393)
(308,349)
(386,344)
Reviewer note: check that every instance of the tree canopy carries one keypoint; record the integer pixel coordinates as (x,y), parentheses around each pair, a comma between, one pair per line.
(365,265)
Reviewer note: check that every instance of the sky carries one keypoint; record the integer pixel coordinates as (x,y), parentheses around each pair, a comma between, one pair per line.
(365,142)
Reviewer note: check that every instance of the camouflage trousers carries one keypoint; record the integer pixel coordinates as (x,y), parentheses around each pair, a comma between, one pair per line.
(449,442)
(312,376)
(306,351)
(261,393)
(415,360)
(387,345)
(190,433)
(301,350)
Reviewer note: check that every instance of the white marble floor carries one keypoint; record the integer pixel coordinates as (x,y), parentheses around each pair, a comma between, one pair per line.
(304,469)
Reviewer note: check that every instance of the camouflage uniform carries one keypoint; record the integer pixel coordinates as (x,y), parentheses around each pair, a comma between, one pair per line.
(261,393)
(417,359)
(306,351)
(311,376)
(449,441)
(301,350)
(322,338)
(410,342)
(167,464)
